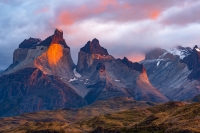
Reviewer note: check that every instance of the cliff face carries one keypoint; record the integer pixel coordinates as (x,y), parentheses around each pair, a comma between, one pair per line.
(94,48)
(106,83)
(30,90)
(52,56)
(193,63)
(38,78)
(145,91)
(21,53)
(56,60)
(90,53)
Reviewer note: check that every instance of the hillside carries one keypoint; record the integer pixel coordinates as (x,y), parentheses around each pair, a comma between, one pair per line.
(115,115)
(64,119)
(172,117)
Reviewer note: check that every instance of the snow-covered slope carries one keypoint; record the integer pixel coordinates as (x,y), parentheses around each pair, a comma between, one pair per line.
(170,72)
(180,51)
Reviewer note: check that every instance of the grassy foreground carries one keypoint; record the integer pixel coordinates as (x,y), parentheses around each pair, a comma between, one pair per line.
(115,115)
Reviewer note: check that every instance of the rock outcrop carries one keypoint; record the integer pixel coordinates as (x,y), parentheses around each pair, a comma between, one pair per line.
(56,60)
(56,38)
(134,66)
(52,56)
(193,62)
(30,43)
(21,53)
(122,78)
(38,78)
(94,48)
(102,86)
(90,53)
(143,90)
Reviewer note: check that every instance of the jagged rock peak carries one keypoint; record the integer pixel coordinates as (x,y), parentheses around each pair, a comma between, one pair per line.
(59,30)
(56,38)
(134,66)
(30,43)
(196,48)
(58,33)
(94,48)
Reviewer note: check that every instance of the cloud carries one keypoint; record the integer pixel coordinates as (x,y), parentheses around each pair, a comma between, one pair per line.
(183,15)
(125,27)
(114,10)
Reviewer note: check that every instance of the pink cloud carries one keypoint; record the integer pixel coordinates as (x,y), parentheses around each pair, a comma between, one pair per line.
(113,10)
(187,14)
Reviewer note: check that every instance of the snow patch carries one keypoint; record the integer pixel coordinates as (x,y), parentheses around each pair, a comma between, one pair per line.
(167,64)
(76,74)
(151,61)
(117,80)
(181,53)
(71,80)
(197,49)
(158,63)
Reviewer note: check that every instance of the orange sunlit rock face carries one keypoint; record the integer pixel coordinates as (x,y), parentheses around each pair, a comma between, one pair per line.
(54,53)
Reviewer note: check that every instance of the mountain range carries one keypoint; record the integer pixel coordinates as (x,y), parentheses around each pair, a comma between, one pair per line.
(43,76)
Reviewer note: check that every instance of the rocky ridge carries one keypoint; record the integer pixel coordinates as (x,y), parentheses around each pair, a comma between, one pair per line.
(44,77)
(174,72)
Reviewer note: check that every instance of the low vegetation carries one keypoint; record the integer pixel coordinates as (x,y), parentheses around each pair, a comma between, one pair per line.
(108,117)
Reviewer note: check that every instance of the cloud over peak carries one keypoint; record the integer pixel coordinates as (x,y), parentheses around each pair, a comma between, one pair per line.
(124,27)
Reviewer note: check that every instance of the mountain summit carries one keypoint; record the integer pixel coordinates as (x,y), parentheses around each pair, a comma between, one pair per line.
(56,38)
(94,48)
(89,54)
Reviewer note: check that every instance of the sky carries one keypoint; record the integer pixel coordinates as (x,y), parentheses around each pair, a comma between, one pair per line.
(124,27)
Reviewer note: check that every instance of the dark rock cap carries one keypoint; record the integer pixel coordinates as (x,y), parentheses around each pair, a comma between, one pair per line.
(134,66)
(94,48)
(29,43)
(154,54)
(193,63)
(57,38)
